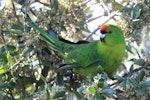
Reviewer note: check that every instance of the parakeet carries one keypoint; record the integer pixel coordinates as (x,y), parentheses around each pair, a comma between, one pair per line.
(89,58)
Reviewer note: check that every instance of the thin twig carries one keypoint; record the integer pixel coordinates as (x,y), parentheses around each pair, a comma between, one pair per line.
(92,19)
(126,76)
(86,2)
(14,9)
(45,4)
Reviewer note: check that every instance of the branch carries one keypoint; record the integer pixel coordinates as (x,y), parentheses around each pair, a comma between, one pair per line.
(45,4)
(92,19)
(127,76)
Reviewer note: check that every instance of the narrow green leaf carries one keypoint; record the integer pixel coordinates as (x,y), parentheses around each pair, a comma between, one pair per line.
(125,9)
(17,26)
(59,80)
(131,68)
(119,78)
(2,69)
(129,49)
(133,81)
(78,95)
(136,11)
(139,91)
(55,4)
(141,75)
(60,93)
(9,58)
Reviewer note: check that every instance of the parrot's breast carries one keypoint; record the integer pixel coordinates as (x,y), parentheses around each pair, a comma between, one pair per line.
(111,57)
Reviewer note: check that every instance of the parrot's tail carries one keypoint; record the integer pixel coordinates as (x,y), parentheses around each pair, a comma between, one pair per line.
(54,43)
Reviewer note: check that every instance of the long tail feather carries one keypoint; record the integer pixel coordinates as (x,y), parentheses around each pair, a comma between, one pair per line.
(54,43)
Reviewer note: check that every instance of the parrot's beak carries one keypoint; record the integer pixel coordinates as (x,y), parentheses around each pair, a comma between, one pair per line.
(102,37)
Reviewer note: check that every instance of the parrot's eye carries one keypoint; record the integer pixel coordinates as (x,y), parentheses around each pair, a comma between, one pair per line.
(109,32)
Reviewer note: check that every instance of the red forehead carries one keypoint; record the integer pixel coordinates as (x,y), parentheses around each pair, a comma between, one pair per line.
(103,28)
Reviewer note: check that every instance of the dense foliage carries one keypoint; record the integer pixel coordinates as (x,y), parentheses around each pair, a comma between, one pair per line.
(28,67)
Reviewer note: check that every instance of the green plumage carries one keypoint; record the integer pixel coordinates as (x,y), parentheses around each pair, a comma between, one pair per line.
(90,58)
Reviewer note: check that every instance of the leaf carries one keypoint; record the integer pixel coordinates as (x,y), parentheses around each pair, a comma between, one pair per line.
(131,68)
(87,10)
(133,81)
(116,5)
(141,75)
(99,97)
(21,2)
(123,84)
(136,11)
(139,62)
(104,76)
(146,84)
(55,4)
(59,80)
(29,49)
(139,91)
(10,48)
(29,87)
(3,58)
(60,93)
(2,69)
(127,20)
(92,90)
(9,58)
(78,95)
(101,83)
(119,78)
(125,9)
(129,49)
(108,91)
(17,26)
(143,52)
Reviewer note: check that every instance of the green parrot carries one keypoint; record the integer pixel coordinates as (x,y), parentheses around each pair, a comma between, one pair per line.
(89,58)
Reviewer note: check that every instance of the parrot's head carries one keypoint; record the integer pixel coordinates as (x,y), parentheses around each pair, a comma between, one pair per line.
(111,34)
